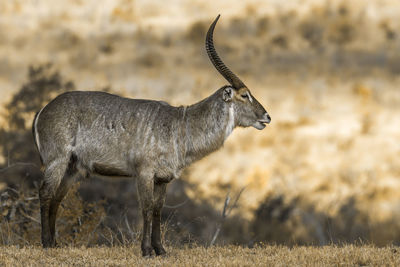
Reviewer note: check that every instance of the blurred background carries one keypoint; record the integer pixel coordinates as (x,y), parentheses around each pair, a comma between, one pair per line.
(326,170)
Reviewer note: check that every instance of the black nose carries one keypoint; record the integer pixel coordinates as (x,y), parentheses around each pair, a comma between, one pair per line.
(267,118)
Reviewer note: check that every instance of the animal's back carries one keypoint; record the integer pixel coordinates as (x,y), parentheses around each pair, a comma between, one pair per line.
(87,122)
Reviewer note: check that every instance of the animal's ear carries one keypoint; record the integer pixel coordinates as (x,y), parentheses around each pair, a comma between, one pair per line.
(227,95)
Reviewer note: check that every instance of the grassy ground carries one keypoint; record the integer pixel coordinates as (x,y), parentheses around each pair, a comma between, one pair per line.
(349,255)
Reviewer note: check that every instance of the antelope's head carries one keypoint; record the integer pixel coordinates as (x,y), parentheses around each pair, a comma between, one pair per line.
(247,110)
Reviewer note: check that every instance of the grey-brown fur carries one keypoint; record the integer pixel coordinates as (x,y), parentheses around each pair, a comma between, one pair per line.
(81,133)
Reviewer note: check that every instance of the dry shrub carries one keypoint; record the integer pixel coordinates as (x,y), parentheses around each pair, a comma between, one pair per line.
(197,31)
(263,24)
(312,32)
(79,220)
(296,221)
(194,221)
(280,41)
(342,32)
(388,30)
(150,59)
(20,219)
(43,83)
(89,223)
(240,27)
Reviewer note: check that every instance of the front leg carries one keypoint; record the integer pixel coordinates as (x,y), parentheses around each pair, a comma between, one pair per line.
(145,186)
(159,198)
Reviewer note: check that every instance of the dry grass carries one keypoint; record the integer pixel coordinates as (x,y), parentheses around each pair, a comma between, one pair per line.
(349,255)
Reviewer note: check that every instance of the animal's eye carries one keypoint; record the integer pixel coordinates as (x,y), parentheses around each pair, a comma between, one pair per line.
(245,96)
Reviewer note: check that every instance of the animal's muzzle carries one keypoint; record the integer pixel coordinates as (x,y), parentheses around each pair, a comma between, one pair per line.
(266,118)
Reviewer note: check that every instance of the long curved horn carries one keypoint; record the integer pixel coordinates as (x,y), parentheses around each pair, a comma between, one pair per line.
(217,62)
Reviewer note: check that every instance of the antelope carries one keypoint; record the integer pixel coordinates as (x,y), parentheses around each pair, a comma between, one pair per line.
(80,133)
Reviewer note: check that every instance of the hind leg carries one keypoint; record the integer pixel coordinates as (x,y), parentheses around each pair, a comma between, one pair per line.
(53,175)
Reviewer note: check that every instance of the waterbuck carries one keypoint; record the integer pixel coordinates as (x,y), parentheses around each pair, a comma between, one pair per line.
(81,133)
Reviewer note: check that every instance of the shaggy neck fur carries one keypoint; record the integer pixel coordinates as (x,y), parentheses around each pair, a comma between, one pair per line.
(207,124)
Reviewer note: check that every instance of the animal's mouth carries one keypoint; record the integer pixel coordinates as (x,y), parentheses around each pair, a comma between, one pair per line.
(260,124)
(264,121)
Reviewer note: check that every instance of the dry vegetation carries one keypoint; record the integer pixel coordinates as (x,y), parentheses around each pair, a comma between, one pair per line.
(349,255)
(325,171)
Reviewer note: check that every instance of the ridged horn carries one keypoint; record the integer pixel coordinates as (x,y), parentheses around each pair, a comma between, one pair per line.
(217,62)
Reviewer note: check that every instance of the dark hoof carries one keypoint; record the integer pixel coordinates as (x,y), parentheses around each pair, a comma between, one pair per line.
(48,244)
(147,251)
(160,251)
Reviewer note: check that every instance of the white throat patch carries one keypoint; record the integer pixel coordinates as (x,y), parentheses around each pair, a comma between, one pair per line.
(231,122)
